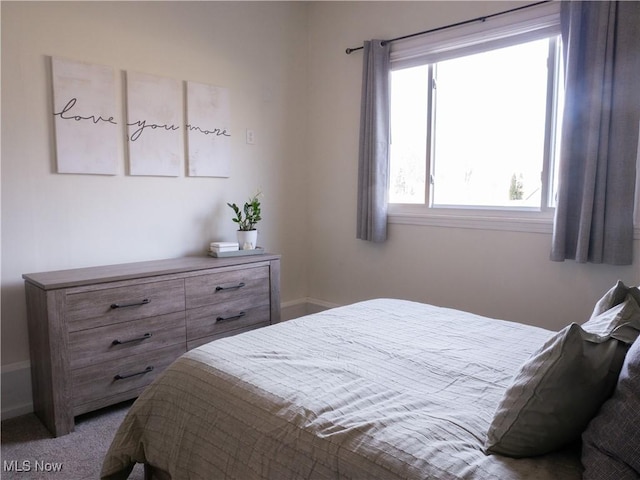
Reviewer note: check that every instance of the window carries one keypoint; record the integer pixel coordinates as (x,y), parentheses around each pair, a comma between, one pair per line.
(474,117)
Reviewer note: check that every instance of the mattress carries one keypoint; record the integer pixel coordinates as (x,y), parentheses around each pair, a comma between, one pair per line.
(386,389)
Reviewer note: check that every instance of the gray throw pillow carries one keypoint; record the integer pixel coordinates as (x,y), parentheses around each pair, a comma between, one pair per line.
(561,386)
(621,321)
(611,442)
(615,296)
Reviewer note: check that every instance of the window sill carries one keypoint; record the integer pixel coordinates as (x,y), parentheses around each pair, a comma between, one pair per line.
(513,221)
(528,222)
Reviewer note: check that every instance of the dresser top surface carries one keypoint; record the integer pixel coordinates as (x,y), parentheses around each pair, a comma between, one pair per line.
(125,271)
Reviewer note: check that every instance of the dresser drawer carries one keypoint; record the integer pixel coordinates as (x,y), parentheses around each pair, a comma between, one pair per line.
(215,320)
(112,342)
(202,340)
(222,287)
(106,306)
(104,381)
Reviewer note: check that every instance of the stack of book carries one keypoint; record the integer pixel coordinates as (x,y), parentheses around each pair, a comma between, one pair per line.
(217,248)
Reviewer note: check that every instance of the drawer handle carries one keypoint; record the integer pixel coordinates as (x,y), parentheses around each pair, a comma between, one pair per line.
(139,339)
(232,317)
(125,305)
(234,287)
(122,377)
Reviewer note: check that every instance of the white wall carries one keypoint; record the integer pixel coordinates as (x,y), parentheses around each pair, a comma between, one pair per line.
(501,274)
(52,221)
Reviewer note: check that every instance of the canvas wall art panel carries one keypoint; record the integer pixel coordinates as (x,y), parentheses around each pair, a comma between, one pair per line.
(85,117)
(208,130)
(155,125)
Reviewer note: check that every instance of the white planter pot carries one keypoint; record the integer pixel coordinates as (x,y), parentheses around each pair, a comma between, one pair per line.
(248,239)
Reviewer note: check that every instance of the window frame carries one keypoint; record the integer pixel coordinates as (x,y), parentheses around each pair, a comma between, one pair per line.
(541,21)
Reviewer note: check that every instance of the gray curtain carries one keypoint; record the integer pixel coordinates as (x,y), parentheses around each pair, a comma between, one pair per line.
(373,160)
(594,214)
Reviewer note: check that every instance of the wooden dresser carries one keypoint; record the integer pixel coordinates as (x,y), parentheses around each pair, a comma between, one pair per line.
(99,335)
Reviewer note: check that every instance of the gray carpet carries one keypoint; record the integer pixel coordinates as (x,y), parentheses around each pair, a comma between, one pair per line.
(28,446)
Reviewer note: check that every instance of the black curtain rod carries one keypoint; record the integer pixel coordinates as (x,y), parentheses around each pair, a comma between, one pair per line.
(464,22)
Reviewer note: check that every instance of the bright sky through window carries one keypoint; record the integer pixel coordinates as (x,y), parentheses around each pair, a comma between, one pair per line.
(489,116)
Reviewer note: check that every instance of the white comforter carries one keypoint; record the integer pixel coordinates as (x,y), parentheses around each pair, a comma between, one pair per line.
(383,389)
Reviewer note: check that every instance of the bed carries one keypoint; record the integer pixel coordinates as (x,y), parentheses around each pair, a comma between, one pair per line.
(381,389)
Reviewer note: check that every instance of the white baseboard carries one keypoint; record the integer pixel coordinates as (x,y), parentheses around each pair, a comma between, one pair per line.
(16,397)
(294,309)
(304,306)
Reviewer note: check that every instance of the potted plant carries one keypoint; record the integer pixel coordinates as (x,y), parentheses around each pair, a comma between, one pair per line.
(247,218)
